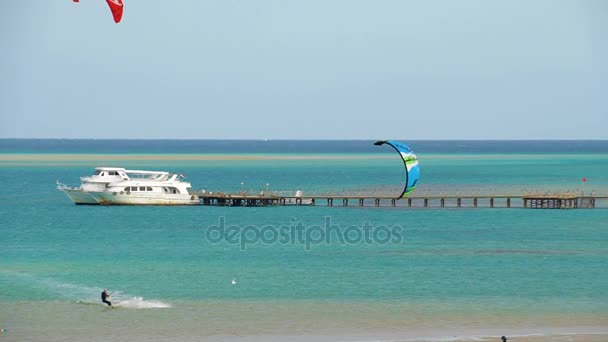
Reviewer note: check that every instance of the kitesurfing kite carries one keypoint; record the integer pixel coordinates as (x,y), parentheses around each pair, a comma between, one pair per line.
(412,168)
(116,6)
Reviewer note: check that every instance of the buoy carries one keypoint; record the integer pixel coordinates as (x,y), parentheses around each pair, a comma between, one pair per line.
(233,281)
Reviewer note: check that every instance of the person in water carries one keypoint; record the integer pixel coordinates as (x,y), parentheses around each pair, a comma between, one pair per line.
(105,297)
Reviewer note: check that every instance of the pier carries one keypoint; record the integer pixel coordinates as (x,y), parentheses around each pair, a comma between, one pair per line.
(529,201)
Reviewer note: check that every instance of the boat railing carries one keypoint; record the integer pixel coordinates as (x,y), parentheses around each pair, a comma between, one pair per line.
(61,186)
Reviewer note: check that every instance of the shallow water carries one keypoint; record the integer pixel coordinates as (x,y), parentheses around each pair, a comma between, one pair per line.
(464,270)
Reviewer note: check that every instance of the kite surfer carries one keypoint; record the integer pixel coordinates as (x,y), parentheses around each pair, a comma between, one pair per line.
(105,297)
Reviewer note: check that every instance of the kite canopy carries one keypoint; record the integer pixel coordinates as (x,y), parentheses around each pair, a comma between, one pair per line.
(116,6)
(412,168)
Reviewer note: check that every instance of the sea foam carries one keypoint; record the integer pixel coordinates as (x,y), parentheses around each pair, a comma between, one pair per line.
(140,303)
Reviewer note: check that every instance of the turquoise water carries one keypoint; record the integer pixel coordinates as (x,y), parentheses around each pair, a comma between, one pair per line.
(477,268)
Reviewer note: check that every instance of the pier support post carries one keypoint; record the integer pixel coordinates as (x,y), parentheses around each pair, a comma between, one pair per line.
(298,201)
(345,202)
(475,202)
(330,202)
(360,202)
(393,202)
(508,202)
(312,202)
(491,202)
(409,202)
(426,202)
(459,202)
(377,202)
(442,202)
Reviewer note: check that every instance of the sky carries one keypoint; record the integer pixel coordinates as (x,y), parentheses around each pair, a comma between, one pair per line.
(314,69)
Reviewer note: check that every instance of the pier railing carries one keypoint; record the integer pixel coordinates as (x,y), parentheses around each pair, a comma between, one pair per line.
(282,198)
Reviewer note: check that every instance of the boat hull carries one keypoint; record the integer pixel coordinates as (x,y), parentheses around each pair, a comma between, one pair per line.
(116,198)
(80,197)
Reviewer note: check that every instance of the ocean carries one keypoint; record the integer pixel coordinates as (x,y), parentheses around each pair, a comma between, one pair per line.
(432,274)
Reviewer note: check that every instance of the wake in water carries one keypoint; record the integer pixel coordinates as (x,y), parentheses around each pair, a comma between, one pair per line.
(140,303)
(130,303)
(82,294)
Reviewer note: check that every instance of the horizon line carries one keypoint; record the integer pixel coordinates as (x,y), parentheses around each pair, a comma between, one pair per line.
(306,139)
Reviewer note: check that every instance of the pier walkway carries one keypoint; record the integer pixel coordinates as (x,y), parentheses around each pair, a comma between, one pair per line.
(545,201)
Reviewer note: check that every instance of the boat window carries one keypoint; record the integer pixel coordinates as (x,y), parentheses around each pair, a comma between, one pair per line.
(97,172)
(127,189)
(142,188)
(148,188)
(102,174)
(133,188)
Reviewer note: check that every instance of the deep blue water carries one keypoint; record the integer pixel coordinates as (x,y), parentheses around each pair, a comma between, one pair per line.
(294,146)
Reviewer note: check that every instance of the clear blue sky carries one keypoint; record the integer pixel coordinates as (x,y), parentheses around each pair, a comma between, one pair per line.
(314,69)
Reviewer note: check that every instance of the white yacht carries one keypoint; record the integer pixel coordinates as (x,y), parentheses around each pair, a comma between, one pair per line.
(156,188)
(118,186)
(96,182)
